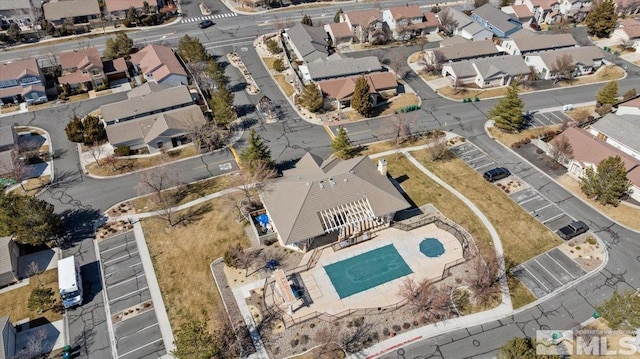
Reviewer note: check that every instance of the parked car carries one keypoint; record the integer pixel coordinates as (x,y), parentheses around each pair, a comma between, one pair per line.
(496,174)
(535,26)
(205,24)
(572,229)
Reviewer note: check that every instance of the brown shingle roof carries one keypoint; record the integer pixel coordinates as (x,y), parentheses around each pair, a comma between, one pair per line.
(17,69)
(521,11)
(362,17)
(158,60)
(83,59)
(147,98)
(342,88)
(115,66)
(56,10)
(581,55)
(430,19)
(119,5)
(546,41)
(339,30)
(76,77)
(411,11)
(468,50)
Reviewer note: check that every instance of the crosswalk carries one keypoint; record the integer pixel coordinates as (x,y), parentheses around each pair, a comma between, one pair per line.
(210,17)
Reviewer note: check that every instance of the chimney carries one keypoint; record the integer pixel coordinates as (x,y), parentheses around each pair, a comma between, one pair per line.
(382,166)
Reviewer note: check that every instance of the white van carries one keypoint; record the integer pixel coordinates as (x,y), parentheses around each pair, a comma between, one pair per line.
(69,282)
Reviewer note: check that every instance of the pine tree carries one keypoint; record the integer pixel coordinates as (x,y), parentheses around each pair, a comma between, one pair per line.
(41,299)
(607,183)
(306,20)
(608,94)
(337,16)
(222,106)
(256,151)
(621,311)
(120,46)
(341,145)
(311,97)
(94,131)
(602,19)
(75,130)
(28,219)
(216,73)
(507,113)
(192,50)
(361,99)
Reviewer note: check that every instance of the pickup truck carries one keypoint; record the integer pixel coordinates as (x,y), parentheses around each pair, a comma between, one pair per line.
(572,229)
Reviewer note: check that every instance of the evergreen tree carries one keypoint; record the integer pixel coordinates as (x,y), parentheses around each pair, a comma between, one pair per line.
(256,151)
(14,32)
(120,46)
(28,219)
(94,131)
(192,50)
(621,311)
(336,17)
(602,19)
(361,99)
(41,299)
(221,104)
(507,113)
(311,97)
(341,145)
(608,94)
(306,20)
(75,130)
(607,183)
(216,72)
(194,341)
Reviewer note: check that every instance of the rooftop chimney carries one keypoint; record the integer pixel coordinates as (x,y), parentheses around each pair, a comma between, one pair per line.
(382,166)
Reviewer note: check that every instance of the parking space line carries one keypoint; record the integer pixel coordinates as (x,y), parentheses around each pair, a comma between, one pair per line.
(139,331)
(561,266)
(536,118)
(484,165)
(475,158)
(138,348)
(128,294)
(125,281)
(124,256)
(546,270)
(529,199)
(558,117)
(116,247)
(543,207)
(537,280)
(553,218)
(465,152)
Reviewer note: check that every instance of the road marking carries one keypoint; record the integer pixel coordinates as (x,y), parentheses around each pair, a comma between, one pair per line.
(234,44)
(546,270)
(115,259)
(484,165)
(235,155)
(118,246)
(561,266)
(329,132)
(471,150)
(529,199)
(128,294)
(209,17)
(125,281)
(211,164)
(138,348)
(140,330)
(543,207)
(553,218)
(355,133)
(534,277)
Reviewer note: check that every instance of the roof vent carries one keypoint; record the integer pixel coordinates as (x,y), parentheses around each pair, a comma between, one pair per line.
(321,184)
(332,182)
(308,184)
(346,180)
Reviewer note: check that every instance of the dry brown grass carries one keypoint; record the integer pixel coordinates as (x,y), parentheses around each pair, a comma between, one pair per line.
(522,236)
(519,293)
(127,165)
(607,73)
(415,57)
(32,186)
(14,302)
(181,259)
(623,214)
(461,93)
(41,106)
(192,191)
(269,61)
(581,113)
(284,85)
(510,138)
(399,102)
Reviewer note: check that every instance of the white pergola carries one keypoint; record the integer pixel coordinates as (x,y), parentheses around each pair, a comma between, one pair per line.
(347,215)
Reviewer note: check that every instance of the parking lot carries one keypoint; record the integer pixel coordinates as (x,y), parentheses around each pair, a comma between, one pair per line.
(539,119)
(552,269)
(135,326)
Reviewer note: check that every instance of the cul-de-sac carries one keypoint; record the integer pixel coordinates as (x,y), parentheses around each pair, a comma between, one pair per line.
(327,179)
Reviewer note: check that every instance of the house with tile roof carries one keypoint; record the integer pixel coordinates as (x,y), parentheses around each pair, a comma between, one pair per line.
(339,33)
(496,21)
(586,60)
(405,22)
(309,43)
(382,85)
(82,69)
(330,201)
(366,25)
(119,8)
(79,11)
(542,8)
(628,31)
(467,28)
(22,81)
(154,117)
(521,12)
(159,64)
(535,43)
(589,150)
(486,72)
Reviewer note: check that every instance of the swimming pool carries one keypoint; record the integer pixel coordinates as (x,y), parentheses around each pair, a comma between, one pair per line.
(431,247)
(367,270)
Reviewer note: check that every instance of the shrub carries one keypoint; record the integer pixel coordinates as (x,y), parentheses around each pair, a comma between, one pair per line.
(578,248)
(294,342)
(396,328)
(273,47)
(230,260)
(123,151)
(604,109)
(592,241)
(278,65)
(406,325)
(304,340)
(358,322)
(386,332)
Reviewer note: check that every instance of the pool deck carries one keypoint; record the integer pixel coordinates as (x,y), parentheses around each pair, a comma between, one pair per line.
(326,299)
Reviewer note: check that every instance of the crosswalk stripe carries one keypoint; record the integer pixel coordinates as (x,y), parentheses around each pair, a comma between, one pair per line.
(210,17)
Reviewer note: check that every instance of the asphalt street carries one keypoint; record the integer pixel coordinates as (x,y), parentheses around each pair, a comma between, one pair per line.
(82,199)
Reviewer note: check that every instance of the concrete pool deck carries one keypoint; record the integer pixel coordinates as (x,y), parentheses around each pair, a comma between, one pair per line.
(326,299)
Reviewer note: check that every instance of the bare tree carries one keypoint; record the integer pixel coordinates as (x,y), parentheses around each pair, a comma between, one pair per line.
(431,61)
(627,44)
(447,23)
(353,340)
(206,136)
(33,270)
(15,168)
(477,3)
(563,25)
(396,61)
(403,30)
(561,150)
(438,149)
(325,336)
(532,75)
(458,86)
(399,130)
(426,299)
(563,67)
(34,346)
(96,150)
(244,201)
(245,258)
(484,278)
(156,183)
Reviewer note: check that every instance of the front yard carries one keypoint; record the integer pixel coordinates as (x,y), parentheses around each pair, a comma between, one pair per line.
(14,302)
(390,107)
(124,165)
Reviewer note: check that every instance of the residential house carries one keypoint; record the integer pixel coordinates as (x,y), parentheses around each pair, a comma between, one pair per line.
(405,22)
(115,69)
(486,72)
(628,31)
(496,21)
(629,107)
(430,22)
(159,64)
(620,131)
(453,41)
(82,69)
(382,85)
(119,8)
(521,12)
(536,43)
(339,33)
(79,11)
(309,43)
(586,60)
(338,67)
(22,81)
(589,150)
(542,8)
(467,28)
(8,334)
(8,142)
(572,7)
(465,51)
(366,25)
(22,12)
(154,117)
(330,201)
(9,253)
